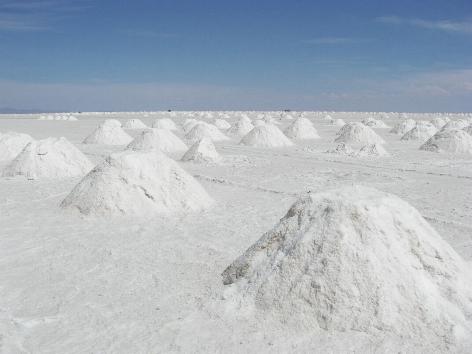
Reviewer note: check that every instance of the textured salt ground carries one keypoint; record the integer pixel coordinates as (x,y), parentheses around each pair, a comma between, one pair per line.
(132,286)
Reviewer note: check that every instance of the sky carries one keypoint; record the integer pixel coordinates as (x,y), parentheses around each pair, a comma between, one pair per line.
(116,55)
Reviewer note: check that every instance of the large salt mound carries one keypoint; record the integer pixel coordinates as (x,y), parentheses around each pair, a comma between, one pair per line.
(456,124)
(139,184)
(109,133)
(375,123)
(267,135)
(205,130)
(202,151)
(11,144)
(422,131)
(301,128)
(358,133)
(403,127)
(372,150)
(449,140)
(157,139)
(134,124)
(241,127)
(49,158)
(357,259)
(164,123)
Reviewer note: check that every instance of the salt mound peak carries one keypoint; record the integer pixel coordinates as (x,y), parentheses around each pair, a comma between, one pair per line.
(109,133)
(375,123)
(449,140)
(422,131)
(403,127)
(358,133)
(157,139)
(222,124)
(372,150)
(202,151)
(49,158)
(164,123)
(267,135)
(241,127)
(205,130)
(456,124)
(301,128)
(134,124)
(11,144)
(137,183)
(342,149)
(357,259)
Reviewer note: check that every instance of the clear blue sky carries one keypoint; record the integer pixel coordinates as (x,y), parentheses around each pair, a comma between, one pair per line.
(398,55)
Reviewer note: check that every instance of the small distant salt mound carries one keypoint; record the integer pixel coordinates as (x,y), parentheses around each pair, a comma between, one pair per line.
(438,122)
(222,124)
(358,133)
(269,120)
(144,183)
(241,127)
(328,118)
(375,123)
(403,127)
(157,139)
(109,133)
(357,259)
(202,151)
(134,124)
(301,128)
(165,123)
(267,135)
(205,130)
(189,124)
(258,122)
(49,158)
(456,124)
(11,144)
(449,140)
(342,149)
(422,132)
(338,122)
(372,150)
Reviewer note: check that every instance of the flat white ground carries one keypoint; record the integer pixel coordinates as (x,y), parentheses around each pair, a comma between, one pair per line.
(93,285)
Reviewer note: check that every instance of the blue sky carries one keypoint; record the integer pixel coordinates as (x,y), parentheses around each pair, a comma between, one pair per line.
(323,55)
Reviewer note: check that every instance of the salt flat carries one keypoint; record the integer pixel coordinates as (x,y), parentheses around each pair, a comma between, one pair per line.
(74,283)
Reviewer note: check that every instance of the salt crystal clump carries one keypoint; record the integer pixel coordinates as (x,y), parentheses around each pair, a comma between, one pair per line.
(301,128)
(267,135)
(157,139)
(449,140)
(134,124)
(241,127)
(11,144)
(109,133)
(358,133)
(403,127)
(372,150)
(375,123)
(456,124)
(222,124)
(205,130)
(422,132)
(49,158)
(202,151)
(342,149)
(357,259)
(137,183)
(164,123)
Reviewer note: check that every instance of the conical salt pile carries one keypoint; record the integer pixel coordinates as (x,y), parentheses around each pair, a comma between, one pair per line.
(134,124)
(422,132)
(301,128)
(205,130)
(241,127)
(438,122)
(267,135)
(140,184)
(342,149)
(375,123)
(403,127)
(165,123)
(11,144)
(372,150)
(358,133)
(357,260)
(49,158)
(456,124)
(449,140)
(222,124)
(202,151)
(109,133)
(158,139)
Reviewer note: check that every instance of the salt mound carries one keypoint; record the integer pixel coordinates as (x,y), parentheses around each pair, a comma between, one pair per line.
(375,123)
(258,122)
(438,122)
(456,124)
(164,123)
(422,131)
(328,117)
(301,128)
(222,124)
(205,130)
(358,133)
(202,151)
(137,183)
(49,158)
(403,127)
(157,139)
(241,127)
(189,124)
(11,144)
(267,135)
(450,140)
(338,122)
(372,150)
(109,133)
(134,124)
(342,149)
(357,259)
